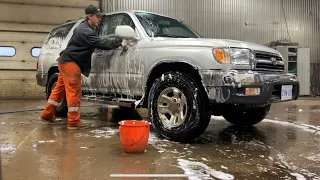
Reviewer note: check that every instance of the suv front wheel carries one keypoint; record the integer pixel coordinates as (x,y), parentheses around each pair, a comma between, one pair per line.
(62,109)
(178,111)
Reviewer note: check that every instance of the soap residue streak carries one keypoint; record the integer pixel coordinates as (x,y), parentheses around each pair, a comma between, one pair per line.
(192,167)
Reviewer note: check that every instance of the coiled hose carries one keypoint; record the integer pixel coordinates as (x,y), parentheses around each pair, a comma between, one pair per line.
(30,110)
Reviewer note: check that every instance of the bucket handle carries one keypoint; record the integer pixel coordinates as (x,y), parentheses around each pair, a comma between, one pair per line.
(134,142)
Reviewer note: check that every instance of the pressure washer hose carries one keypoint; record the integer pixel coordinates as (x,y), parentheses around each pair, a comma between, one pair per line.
(30,110)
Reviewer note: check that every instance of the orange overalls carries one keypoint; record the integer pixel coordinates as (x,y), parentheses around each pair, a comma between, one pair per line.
(69,83)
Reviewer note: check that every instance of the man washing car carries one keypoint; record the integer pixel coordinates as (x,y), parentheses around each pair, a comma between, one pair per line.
(74,61)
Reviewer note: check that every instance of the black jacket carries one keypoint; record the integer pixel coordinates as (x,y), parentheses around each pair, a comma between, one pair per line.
(82,44)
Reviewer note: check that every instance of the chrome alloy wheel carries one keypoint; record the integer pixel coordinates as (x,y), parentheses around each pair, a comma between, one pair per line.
(172,107)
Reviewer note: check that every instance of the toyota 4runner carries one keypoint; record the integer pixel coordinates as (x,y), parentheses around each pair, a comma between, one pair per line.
(179,76)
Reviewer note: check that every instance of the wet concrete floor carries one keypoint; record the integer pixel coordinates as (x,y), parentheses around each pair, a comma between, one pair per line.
(286,145)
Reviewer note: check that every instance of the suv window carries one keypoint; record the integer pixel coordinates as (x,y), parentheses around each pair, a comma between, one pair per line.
(110,22)
(61,31)
(162,26)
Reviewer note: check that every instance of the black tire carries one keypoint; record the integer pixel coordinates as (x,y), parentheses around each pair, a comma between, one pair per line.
(198,111)
(246,117)
(62,109)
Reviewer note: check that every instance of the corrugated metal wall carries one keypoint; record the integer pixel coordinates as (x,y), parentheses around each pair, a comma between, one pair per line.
(259,21)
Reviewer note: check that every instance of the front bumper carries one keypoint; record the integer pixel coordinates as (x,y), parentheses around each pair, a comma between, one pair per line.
(229,86)
(41,79)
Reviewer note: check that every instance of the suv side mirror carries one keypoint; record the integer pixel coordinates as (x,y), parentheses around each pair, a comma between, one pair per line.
(125,32)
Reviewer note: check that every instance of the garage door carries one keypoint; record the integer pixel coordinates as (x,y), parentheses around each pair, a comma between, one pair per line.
(23,28)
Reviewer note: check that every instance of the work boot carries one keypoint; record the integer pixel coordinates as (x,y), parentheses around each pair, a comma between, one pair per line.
(77,126)
(49,120)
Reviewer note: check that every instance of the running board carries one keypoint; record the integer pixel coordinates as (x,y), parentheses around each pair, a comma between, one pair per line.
(128,103)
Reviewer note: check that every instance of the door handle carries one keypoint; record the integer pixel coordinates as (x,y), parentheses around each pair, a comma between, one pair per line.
(99,54)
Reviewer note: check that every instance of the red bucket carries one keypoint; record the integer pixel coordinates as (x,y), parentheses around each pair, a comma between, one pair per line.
(134,135)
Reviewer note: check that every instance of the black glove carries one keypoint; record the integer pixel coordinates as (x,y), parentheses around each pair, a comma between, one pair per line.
(119,42)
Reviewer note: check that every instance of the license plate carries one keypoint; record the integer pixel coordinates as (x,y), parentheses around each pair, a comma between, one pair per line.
(286,92)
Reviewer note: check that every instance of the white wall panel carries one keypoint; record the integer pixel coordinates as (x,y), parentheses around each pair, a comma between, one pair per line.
(19,85)
(22,59)
(21,37)
(17,73)
(23,50)
(25,24)
(18,65)
(36,14)
(40,28)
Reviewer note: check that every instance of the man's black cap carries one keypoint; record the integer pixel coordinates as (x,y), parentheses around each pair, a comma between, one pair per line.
(93,10)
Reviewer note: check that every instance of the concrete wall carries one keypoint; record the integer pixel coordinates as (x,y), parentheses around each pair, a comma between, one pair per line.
(24,25)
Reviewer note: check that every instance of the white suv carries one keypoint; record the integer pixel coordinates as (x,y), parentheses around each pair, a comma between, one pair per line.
(179,76)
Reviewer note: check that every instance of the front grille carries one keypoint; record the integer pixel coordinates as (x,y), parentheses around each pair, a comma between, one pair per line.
(263,66)
(267,61)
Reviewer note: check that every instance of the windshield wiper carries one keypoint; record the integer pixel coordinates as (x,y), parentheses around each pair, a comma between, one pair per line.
(167,35)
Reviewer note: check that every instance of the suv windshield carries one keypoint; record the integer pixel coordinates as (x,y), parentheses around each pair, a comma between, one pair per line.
(164,27)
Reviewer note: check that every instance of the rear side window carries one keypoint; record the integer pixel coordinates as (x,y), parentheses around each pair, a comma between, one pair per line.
(7,51)
(62,31)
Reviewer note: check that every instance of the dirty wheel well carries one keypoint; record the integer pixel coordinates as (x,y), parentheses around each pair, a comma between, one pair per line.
(185,68)
(51,71)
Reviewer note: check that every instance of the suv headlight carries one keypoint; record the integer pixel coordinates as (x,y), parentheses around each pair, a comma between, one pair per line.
(236,56)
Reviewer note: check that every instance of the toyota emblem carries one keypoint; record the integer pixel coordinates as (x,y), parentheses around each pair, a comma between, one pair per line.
(273,60)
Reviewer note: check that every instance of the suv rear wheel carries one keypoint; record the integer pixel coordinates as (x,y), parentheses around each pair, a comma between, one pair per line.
(246,117)
(62,109)
(178,111)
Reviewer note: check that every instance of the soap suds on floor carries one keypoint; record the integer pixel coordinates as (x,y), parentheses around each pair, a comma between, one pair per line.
(262,168)
(204,159)
(106,132)
(311,126)
(304,127)
(299,173)
(153,139)
(7,148)
(223,167)
(315,157)
(298,176)
(160,144)
(163,145)
(192,167)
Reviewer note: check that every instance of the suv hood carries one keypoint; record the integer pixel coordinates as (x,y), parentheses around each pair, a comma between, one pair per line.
(206,42)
